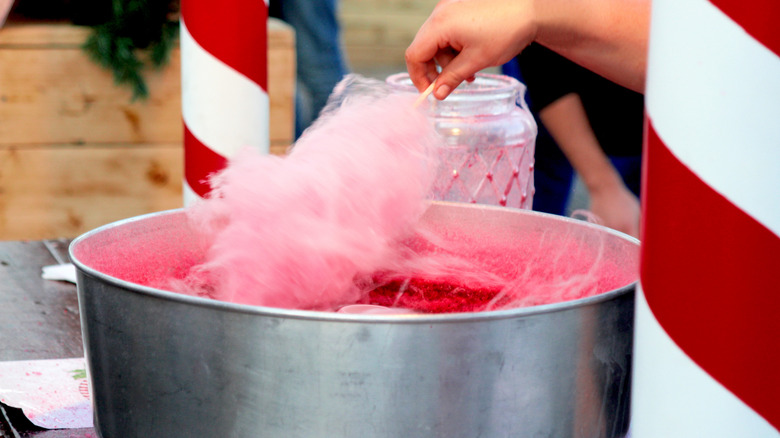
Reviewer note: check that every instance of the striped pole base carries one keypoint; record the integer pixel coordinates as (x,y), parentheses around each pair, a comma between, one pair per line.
(707,350)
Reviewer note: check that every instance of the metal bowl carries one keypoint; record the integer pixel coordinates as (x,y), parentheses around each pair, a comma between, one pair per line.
(163,364)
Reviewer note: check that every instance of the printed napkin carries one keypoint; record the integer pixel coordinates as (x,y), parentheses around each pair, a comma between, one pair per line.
(53,394)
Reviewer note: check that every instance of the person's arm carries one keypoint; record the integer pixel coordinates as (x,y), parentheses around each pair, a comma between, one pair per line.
(610,199)
(464,37)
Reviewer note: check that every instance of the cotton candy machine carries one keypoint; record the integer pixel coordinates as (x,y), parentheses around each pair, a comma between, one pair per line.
(163,364)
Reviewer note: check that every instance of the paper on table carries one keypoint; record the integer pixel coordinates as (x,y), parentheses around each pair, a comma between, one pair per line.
(64,272)
(53,394)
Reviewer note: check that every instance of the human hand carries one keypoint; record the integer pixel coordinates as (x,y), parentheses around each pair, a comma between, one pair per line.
(5,8)
(466,36)
(618,208)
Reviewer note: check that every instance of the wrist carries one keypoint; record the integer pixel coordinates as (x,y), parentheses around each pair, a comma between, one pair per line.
(603,181)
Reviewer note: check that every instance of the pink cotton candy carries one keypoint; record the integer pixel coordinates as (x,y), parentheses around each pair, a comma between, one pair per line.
(295,231)
(453,267)
(336,222)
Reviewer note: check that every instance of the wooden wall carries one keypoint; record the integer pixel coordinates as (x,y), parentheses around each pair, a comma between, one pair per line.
(377,32)
(75,153)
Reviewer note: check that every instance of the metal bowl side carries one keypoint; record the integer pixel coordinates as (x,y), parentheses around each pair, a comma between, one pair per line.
(164,364)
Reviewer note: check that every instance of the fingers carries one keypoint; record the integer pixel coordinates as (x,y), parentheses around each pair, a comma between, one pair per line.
(421,59)
(431,47)
(459,68)
(432,73)
(422,74)
(456,68)
(444,56)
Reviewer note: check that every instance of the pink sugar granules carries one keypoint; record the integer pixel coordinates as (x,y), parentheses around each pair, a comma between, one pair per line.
(469,270)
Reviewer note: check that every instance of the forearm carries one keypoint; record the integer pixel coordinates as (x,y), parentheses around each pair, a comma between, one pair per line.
(608,37)
(611,200)
(567,122)
(464,37)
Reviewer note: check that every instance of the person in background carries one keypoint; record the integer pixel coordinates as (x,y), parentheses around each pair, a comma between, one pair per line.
(320,63)
(591,124)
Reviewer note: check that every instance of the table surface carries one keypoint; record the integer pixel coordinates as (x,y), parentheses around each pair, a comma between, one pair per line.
(39,319)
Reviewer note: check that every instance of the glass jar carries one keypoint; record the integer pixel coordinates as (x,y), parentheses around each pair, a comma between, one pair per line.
(489,152)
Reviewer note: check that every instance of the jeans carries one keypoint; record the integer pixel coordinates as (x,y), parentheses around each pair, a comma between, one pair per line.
(320,63)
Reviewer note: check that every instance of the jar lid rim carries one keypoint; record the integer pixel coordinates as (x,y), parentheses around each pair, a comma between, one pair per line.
(484,84)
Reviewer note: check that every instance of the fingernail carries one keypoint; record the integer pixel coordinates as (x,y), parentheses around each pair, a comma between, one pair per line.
(442,91)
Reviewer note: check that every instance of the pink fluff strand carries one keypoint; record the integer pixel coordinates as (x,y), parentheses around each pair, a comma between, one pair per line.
(294,231)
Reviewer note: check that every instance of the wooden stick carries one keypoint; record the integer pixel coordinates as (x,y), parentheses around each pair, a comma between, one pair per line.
(424,94)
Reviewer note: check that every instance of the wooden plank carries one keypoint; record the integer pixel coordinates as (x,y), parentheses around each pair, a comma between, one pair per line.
(281,84)
(370,57)
(42,35)
(57,35)
(64,191)
(58,248)
(384,29)
(60,96)
(59,191)
(377,32)
(39,319)
(5,427)
(412,7)
(75,153)
(280,34)
(280,148)
(51,92)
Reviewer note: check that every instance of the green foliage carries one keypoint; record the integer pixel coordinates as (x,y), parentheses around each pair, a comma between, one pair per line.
(137,34)
(79,374)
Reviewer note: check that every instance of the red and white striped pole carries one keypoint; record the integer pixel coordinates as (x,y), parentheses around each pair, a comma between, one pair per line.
(707,350)
(224,85)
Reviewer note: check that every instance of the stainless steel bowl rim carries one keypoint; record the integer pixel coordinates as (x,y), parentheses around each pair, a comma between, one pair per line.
(333,316)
